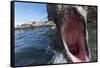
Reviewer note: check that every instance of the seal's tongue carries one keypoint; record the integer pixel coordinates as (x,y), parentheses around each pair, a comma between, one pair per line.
(73,36)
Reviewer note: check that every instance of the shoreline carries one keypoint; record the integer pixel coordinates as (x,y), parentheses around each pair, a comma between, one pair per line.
(33,27)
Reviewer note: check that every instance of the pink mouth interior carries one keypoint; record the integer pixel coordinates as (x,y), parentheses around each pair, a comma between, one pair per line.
(73,34)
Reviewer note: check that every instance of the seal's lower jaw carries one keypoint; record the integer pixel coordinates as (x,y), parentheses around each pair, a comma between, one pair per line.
(76,52)
(75,42)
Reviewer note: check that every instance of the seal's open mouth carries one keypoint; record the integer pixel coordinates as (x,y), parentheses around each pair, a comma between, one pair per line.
(73,35)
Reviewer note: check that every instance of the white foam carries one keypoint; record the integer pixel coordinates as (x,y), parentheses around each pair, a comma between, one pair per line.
(58,58)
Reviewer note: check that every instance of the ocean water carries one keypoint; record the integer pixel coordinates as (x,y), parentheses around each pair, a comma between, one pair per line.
(34,47)
(30,46)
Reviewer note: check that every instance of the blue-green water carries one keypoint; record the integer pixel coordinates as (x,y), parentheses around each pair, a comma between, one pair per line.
(31,46)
